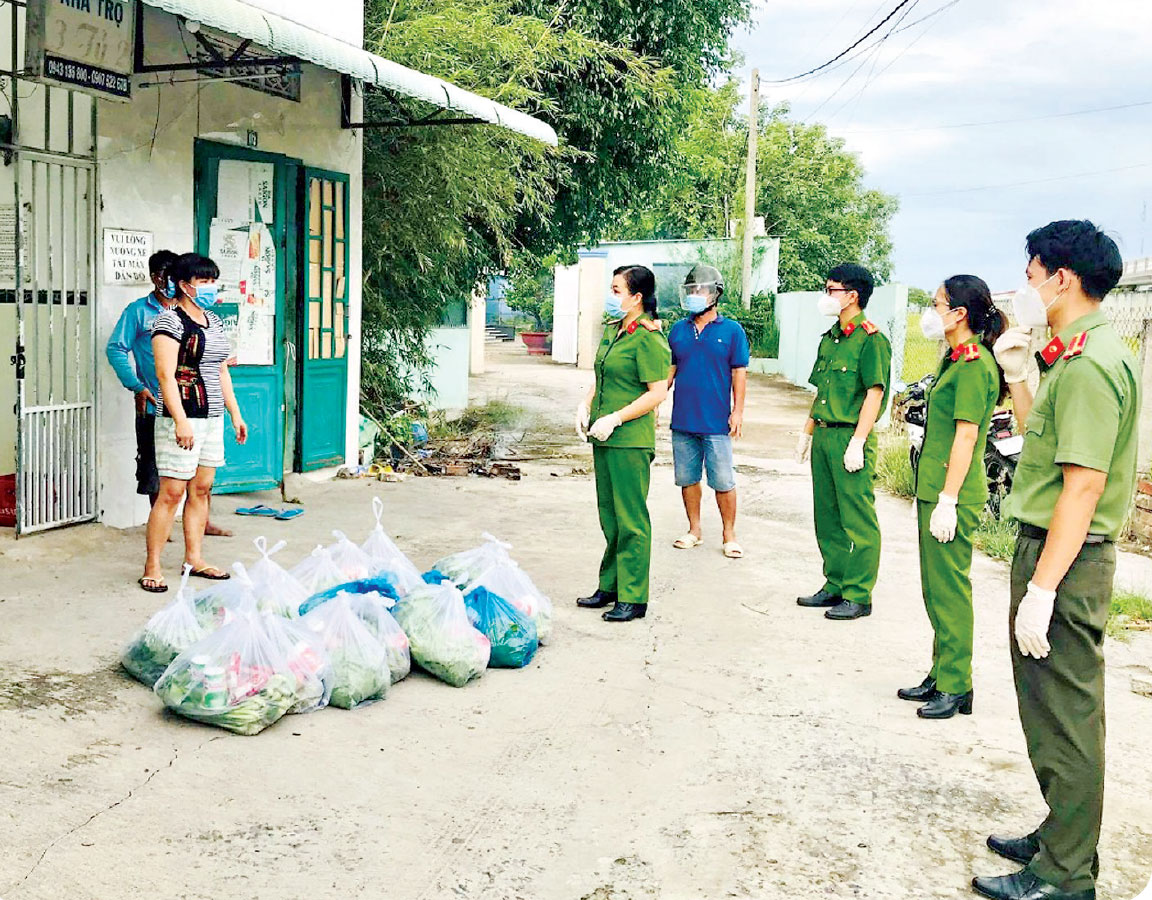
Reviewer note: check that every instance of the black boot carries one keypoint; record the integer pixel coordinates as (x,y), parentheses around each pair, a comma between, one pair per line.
(1021,850)
(626,612)
(846,610)
(922,694)
(1023,885)
(598,600)
(945,706)
(820,598)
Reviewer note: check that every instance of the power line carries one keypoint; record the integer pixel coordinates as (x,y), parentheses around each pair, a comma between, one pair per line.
(1014,121)
(997,187)
(845,52)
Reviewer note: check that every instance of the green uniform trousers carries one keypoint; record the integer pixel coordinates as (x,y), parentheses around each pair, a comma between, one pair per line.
(1061,701)
(622,478)
(945,579)
(844,505)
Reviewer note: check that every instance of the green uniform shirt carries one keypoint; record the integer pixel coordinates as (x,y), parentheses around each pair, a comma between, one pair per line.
(849,362)
(626,363)
(966,390)
(1085,414)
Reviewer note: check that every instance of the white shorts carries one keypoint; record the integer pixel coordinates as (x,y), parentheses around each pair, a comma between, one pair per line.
(172,461)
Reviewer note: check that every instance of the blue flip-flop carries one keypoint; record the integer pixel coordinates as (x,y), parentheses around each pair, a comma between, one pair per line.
(258,510)
(289,514)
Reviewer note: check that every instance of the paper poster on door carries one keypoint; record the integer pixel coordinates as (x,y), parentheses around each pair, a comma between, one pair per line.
(228,247)
(258,270)
(244,191)
(256,337)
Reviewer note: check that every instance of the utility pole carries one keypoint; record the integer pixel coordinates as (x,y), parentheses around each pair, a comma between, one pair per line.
(750,188)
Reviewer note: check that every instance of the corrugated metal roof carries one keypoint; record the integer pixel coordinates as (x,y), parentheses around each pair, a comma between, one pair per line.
(292,39)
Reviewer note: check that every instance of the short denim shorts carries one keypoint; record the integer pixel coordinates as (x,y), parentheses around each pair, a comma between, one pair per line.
(693,453)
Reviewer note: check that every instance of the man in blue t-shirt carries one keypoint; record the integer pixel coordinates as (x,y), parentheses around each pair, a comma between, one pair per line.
(710,373)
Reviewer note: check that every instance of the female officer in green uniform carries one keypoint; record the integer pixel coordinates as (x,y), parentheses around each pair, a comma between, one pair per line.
(951,487)
(632,368)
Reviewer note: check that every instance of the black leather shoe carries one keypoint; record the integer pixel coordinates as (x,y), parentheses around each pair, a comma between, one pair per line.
(925,692)
(598,600)
(1021,850)
(945,706)
(626,612)
(848,610)
(820,598)
(1023,885)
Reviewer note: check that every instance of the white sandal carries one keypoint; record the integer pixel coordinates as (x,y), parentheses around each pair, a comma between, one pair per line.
(733,550)
(687,542)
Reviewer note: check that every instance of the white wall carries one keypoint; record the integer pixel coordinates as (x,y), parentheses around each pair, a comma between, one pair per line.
(566,314)
(449,376)
(146,183)
(343,19)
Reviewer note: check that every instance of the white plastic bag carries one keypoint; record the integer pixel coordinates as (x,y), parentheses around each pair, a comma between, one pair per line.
(308,661)
(237,678)
(276,589)
(318,572)
(441,635)
(219,602)
(468,565)
(165,636)
(350,559)
(512,583)
(373,610)
(387,558)
(360,673)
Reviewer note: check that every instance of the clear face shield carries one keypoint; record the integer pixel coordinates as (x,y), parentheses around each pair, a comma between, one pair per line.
(697,298)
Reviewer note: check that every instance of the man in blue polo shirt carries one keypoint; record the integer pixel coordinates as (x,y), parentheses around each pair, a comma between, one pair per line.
(129,351)
(710,374)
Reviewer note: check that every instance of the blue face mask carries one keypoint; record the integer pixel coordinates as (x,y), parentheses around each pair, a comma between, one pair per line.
(696,304)
(206,295)
(614,307)
(170,291)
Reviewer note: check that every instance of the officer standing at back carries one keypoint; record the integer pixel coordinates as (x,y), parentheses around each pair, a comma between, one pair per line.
(851,378)
(1071,494)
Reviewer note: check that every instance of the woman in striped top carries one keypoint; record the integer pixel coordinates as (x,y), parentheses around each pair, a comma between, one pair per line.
(191,351)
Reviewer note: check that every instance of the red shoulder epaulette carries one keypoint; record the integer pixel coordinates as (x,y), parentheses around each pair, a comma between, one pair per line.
(646,323)
(1052,352)
(969,352)
(1076,346)
(868,327)
(848,329)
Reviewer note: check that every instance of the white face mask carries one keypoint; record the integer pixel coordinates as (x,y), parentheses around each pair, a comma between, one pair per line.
(932,324)
(1029,307)
(828,305)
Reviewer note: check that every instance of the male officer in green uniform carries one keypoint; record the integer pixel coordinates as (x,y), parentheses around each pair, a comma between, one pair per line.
(632,366)
(1071,494)
(851,378)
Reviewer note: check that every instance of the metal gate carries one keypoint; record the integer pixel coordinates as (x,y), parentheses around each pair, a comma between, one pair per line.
(49,188)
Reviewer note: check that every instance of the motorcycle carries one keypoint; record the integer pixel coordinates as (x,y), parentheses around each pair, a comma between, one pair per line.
(1001,451)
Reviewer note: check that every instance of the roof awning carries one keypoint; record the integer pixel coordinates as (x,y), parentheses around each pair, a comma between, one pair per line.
(290,38)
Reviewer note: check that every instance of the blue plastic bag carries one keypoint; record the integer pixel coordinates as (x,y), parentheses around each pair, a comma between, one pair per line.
(377,584)
(512,632)
(434,577)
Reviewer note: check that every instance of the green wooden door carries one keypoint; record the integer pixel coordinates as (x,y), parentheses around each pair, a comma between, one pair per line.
(323,340)
(241,210)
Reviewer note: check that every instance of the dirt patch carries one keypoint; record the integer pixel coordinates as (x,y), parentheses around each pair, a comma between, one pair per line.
(77,693)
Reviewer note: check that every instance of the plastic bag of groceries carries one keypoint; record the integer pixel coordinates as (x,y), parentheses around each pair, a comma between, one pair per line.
(237,678)
(512,583)
(468,565)
(308,661)
(220,601)
(350,559)
(441,635)
(512,631)
(387,558)
(318,572)
(360,672)
(373,610)
(165,636)
(376,584)
(276,589)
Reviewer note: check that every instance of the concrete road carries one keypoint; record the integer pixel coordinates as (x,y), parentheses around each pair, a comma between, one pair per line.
(729,745)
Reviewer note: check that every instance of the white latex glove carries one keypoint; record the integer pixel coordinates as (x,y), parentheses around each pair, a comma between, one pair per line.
(583,413)
(1032,621)
(854,455)
(603,427)
(1011,352)
(803,447)
(943,521)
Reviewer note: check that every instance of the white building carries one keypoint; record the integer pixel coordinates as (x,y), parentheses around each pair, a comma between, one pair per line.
(207,125)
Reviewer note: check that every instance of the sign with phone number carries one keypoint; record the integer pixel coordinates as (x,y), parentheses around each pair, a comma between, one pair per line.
(82,44)
(86,76)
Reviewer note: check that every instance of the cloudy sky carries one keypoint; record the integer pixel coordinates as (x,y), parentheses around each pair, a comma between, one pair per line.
(969,195)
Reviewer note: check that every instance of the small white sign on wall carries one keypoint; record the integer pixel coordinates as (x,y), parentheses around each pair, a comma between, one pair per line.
(126,256)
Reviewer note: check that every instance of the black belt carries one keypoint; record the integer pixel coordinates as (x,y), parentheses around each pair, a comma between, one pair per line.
(820,423)
(1041,534)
